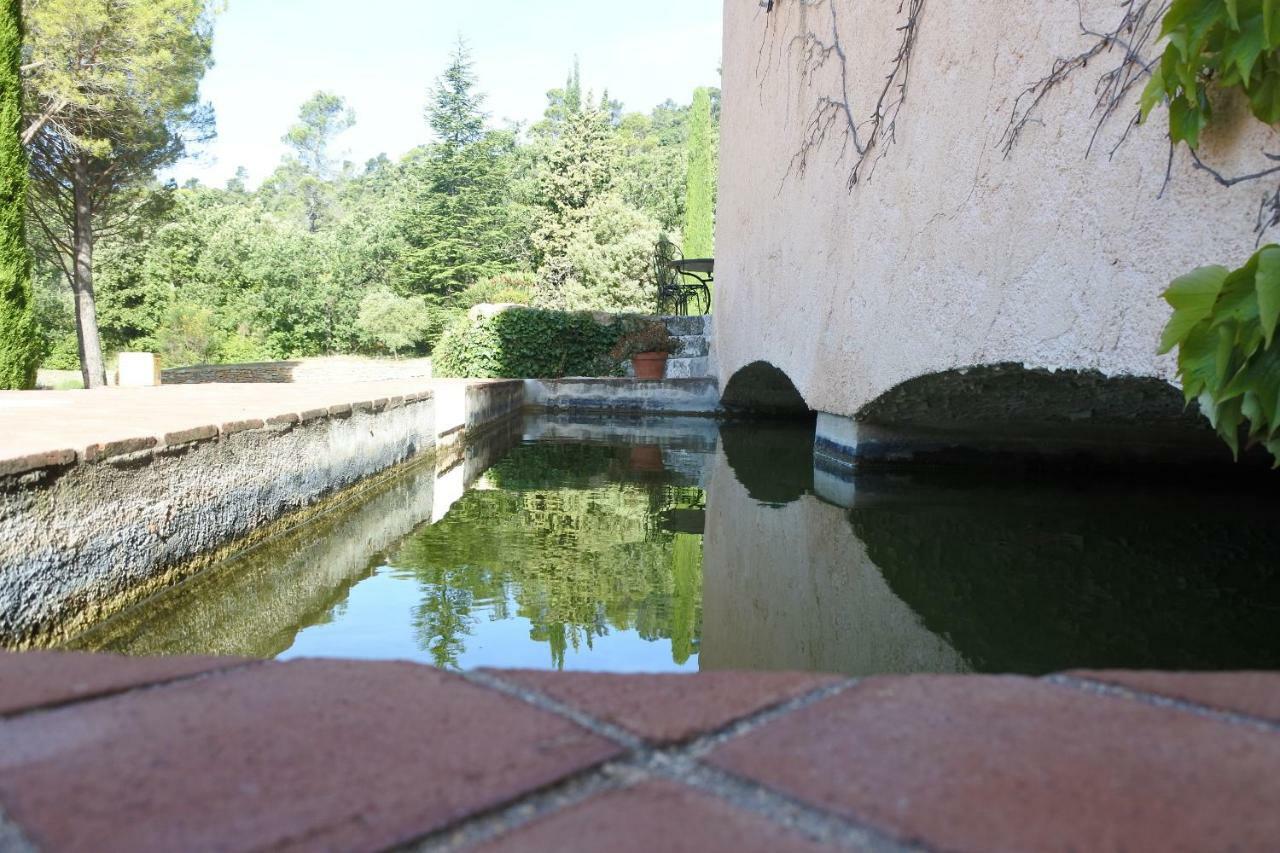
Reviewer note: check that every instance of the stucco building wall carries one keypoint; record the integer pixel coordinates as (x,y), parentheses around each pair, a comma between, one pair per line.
(951,254)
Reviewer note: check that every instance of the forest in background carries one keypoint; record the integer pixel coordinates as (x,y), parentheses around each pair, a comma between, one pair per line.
(330,257)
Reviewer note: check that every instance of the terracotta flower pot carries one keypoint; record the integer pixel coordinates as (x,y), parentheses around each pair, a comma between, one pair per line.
(650,365)
(646,457)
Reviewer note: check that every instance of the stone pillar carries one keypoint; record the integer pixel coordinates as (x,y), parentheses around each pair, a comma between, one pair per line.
(138,370)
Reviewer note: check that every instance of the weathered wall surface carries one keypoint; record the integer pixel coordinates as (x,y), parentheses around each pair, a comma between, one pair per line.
(89,535)
(83,542)
(948,253)
(304,371)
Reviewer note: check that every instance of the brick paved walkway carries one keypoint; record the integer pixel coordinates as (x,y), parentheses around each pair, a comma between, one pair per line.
(106,753)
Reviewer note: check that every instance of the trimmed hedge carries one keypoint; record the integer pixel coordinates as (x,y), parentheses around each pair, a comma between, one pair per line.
(527,344)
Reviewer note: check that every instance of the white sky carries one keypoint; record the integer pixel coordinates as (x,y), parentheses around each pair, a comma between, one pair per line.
(271,55)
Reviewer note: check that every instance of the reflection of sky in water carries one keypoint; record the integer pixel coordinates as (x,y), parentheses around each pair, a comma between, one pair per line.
(376,622)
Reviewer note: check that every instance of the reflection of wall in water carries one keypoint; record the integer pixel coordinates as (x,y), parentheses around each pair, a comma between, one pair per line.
(790,587)
(256,605)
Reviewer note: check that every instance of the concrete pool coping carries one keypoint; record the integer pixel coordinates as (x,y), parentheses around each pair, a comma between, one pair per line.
(112,753)
(107,496)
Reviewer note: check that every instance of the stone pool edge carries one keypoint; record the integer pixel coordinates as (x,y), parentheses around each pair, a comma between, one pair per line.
(93,531)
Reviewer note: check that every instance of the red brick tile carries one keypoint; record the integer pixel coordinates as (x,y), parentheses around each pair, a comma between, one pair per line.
(653,816)
(1253,693)
(309,754)
(1003,763)
(669,708)
(38,679)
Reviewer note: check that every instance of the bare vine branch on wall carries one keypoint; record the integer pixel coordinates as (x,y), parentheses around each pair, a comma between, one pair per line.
(834,114)
(1133,34)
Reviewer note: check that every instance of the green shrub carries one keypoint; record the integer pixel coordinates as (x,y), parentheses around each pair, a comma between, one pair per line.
(527,343)
(1224,326)
(501,289)
(607,260)
(62,352)
(393,323)
(241,348)
(188,335)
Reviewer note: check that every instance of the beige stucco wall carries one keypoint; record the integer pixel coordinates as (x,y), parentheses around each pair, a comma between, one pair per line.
(953,255)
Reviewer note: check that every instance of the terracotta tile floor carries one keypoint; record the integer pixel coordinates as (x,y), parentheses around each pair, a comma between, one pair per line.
(108,753)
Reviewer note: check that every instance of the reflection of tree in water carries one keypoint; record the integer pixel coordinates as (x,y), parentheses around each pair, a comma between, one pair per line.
(574,550)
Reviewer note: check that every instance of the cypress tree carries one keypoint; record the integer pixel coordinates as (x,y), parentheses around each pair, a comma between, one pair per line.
(19,338)
(699,221)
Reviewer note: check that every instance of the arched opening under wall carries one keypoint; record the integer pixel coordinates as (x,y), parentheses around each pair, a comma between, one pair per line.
(775,464)
(762,389)
(1011,410)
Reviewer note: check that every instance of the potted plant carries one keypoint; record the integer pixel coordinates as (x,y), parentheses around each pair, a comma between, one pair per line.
(647,345)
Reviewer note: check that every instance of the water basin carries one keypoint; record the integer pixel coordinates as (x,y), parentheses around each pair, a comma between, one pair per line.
(681,544)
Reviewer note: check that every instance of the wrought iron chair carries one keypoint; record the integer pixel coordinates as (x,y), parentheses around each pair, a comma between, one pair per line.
(675,294)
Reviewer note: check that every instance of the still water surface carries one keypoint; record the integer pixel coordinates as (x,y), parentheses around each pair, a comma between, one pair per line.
(679,544)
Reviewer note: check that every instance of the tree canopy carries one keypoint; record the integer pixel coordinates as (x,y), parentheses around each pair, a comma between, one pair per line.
(326,257)
(113,92)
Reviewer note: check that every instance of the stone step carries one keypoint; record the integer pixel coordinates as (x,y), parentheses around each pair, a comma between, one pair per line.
(692,346)
(682,326)
(688,368)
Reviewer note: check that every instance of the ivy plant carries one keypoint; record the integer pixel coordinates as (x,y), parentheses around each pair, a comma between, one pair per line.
(527,343)
(1224,326)
(1227,44)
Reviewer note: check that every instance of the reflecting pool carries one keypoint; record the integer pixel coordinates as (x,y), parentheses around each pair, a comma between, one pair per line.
(681,544)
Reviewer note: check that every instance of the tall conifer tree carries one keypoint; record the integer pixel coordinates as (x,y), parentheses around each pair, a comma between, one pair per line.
(19,340)
(699,239)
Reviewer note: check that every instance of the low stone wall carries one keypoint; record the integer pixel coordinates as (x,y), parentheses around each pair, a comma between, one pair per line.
(624,396)
(90,534)
(303,371)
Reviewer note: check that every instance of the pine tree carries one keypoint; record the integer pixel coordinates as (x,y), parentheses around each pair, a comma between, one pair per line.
(456,110)
(457,222)
(699,239)
(19,339)
(114,91)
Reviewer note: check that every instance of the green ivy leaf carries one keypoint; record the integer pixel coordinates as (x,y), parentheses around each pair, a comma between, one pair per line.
(1186,122)
(1244,50)
(1238,301)
(1192,297)
(1198,361)
(1233,13)
(1264,97)
(1268,289)
(1154,93)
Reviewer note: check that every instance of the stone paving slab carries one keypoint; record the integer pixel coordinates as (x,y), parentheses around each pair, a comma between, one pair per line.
(661,708)
(42,679)
(1256,694)
(367,756)
(86,423)
(980,763)
(650,817)
(311,754)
